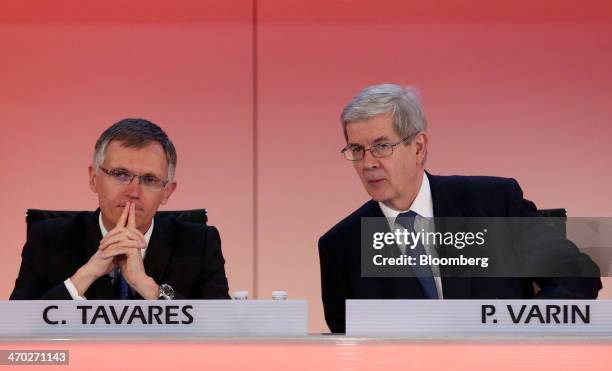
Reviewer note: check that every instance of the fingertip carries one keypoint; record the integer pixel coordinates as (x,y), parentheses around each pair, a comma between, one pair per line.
(132,216)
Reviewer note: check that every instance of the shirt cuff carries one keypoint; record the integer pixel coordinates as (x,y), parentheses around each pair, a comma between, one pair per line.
(72,290)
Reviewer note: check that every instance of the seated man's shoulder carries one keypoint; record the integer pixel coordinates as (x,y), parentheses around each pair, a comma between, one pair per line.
(483,195)
(352,223)
(475,183)
(190,231)
(62,226)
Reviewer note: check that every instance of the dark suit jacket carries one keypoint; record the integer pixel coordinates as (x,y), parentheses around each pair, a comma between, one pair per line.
(187,256)
(453,196)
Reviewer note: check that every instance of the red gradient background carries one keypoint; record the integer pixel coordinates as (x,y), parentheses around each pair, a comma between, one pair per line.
(518,89)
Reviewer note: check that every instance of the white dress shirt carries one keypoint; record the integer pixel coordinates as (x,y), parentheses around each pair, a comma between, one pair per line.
(423,206)
(68,283)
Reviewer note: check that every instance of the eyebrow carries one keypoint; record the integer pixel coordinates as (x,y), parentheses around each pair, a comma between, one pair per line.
(353,145)
(151,174)
(382,138)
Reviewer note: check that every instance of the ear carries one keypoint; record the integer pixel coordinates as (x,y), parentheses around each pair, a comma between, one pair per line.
(420,143)
(92,179)
(168,190)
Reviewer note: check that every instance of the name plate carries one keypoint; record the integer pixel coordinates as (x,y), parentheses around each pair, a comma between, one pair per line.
(461,318)
(74,318)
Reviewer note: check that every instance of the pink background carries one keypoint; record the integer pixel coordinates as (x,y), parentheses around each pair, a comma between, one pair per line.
(518,89)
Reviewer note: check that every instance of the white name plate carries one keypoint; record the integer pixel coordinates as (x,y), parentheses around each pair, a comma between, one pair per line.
(461,318)
(73,318)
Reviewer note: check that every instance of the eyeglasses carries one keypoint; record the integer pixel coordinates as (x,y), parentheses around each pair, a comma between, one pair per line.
(355,152)
(124,177)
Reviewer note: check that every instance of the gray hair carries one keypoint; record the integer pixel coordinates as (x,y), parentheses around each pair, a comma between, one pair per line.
(401,102)
(136,133)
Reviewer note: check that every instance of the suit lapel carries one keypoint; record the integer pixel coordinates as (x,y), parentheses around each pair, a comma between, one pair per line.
(443,203)
(102,288)
(373,210)
(446,207)
(92,234)
(160,248)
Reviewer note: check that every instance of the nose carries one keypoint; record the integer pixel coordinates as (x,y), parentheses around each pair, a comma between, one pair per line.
(133,189)
(369,161)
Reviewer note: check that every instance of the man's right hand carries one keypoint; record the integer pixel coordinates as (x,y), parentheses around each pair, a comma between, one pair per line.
(97,266)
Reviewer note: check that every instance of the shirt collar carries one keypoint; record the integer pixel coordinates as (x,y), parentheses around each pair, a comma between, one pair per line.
(147,235)
(422,204)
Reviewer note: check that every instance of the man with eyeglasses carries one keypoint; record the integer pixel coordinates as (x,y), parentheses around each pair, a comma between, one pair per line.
(384,127)
(122,251)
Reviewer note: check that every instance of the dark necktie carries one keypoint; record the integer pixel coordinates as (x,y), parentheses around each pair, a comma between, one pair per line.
(122,289)
(422,272)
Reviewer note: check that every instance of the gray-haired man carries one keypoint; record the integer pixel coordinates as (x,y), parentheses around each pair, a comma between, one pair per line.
(384,127)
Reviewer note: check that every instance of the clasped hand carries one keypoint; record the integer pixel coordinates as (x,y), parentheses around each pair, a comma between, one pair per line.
(120,248)
(123,245)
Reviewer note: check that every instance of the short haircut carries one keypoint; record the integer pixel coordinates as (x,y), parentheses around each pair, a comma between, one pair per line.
(401,102)
(136,133)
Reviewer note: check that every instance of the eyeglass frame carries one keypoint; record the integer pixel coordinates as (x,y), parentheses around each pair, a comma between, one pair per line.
(391,145)
(163,183)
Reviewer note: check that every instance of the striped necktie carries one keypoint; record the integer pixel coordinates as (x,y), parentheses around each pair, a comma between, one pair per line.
(422,272)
